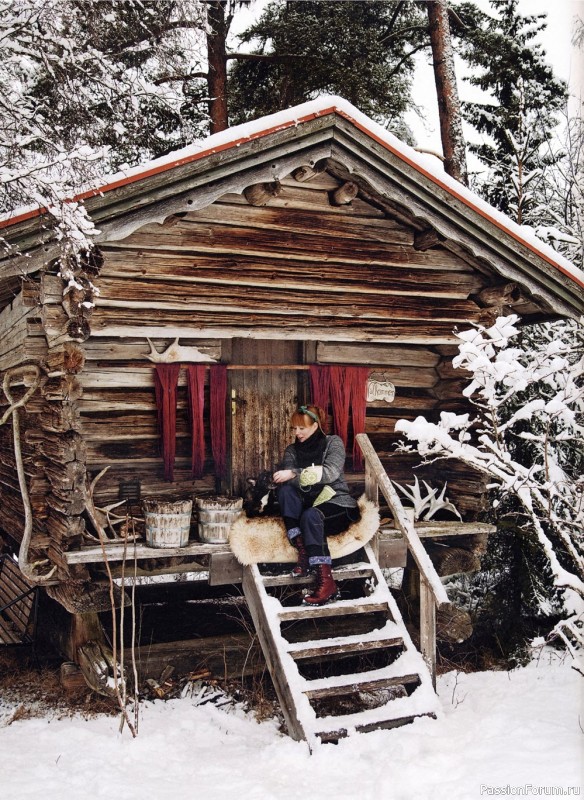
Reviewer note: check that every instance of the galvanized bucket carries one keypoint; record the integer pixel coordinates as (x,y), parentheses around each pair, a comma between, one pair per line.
(168,522)
(216,516)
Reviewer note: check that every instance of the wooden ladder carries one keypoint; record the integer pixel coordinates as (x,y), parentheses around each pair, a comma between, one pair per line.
(342,668)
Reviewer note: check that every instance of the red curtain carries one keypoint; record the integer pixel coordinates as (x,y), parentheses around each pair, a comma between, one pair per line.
(196,397)
(218,395)
(320,386)
(356,378)
(165,383)
(340,398)
(347,389)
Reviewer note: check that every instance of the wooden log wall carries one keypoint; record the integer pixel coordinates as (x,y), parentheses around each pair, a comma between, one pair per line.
(22,340)
(299,267)
(350,281)
(119,418)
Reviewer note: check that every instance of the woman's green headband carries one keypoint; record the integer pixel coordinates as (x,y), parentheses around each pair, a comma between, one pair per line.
(311,414)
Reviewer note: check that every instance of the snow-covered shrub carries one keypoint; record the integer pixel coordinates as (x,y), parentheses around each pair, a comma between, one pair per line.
(527,436)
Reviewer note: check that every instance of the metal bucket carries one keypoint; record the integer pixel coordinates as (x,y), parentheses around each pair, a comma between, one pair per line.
(216,516)
(168,522)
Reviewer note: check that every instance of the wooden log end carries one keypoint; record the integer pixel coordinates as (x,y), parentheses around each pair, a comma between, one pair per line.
(260,194)
(344,194)
(453,625)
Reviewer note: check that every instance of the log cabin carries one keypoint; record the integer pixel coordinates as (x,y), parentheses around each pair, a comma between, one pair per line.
(310,237)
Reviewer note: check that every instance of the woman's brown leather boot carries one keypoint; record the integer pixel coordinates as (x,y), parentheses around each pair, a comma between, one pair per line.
(325,590)
(301,569)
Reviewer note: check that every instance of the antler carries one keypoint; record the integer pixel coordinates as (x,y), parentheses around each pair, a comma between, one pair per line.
(102,518)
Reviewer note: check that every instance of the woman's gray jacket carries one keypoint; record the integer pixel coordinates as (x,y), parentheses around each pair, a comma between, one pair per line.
(333,463)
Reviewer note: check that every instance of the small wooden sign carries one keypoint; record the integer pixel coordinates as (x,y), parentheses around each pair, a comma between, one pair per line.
(379,387)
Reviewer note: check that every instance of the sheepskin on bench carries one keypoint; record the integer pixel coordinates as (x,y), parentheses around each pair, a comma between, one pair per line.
(263,540)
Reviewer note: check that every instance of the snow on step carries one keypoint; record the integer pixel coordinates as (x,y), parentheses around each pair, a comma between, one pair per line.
(407,666)
(421,703)
(389,635)
(338,608)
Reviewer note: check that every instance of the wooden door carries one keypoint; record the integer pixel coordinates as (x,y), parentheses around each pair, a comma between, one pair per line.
(262,401)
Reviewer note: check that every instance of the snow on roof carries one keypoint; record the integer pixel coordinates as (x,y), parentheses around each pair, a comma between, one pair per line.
(292,117)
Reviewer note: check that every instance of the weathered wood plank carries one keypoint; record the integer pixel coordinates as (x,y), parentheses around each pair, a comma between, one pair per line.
(115,552)
(406,333)
(303,221)
(137,348)
(379,355)
(427,530)
(327,326)
(148,294)
(229,239)
(402,270)
(428,625)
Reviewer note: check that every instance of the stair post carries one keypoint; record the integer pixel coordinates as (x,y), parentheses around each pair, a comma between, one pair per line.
(428,627)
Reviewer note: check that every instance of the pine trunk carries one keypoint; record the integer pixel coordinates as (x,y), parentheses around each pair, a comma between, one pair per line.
(451,134)
(217,70)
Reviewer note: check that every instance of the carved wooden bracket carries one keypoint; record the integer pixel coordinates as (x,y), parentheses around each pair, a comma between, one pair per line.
(307,172)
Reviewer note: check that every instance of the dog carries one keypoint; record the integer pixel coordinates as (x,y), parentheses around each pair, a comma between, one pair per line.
(260,497)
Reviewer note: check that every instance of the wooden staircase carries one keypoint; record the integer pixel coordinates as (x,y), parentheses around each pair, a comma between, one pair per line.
(342,668)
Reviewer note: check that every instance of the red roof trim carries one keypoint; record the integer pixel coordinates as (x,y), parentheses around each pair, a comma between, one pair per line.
(156,170)
(479,210)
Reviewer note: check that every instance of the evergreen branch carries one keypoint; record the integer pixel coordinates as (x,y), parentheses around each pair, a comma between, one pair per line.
(182,78)
(270,56)
(406,58)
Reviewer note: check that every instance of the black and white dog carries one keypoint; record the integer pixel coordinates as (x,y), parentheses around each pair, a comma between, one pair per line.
(260,496)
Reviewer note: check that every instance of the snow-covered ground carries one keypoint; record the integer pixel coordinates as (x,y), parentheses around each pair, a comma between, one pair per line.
(500,734)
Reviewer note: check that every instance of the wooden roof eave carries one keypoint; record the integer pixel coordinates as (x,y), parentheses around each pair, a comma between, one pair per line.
(174,188)
(395,180)
(120,210)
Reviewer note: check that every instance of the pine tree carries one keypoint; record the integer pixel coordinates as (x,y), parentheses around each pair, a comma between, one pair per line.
(126,76)
(453,144)
(520,117)
(360,50)
(89,86)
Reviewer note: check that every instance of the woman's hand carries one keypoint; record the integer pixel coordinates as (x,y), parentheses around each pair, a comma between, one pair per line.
(283,475)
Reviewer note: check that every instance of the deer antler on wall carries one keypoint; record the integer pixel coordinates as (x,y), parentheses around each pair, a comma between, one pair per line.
(177,352)
(426,506)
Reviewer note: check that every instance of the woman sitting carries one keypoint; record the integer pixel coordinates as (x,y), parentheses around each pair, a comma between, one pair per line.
(314,499)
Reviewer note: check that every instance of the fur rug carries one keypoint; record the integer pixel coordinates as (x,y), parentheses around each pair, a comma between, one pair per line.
(263,539)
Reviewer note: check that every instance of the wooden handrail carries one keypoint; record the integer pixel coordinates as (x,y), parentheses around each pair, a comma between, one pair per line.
(427,571)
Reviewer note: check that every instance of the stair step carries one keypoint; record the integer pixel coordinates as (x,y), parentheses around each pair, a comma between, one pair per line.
(338,608)
(359,683)
(324,647)
(335,733)
(340,704)
(340,574)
